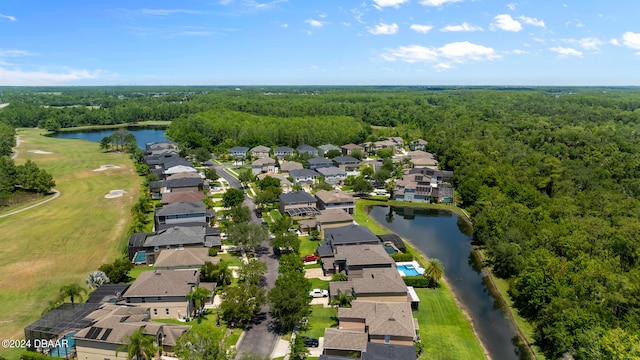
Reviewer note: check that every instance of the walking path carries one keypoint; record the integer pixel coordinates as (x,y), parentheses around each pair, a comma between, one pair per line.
(55,192)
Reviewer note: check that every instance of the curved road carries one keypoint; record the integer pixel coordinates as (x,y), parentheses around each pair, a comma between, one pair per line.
(55,192)
(259,336)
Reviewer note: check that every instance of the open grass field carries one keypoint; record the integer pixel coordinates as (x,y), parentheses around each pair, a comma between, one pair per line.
(445,332)
(62,241)
(319,319)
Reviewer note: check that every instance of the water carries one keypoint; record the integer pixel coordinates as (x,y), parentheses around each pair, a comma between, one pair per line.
(408,270)
(68,344)
(441,234)
(143,135)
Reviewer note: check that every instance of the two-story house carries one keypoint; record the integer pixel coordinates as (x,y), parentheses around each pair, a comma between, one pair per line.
(349,148)
(336,199)
(238,151)
(264,165)
(182,214)
(324,149)
(304,176)
(348,163)
(306,149)
(319,162)
(332,175)
(260,151)
(298,204)
(282,151)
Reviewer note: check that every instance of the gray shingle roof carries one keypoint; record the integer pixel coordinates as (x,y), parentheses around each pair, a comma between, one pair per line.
(333,216)
(319,161)
(379,351)
(328,147)
(184,182)
(302,173)
(163,283)
(176,235)
(283,149)
(345,160)
(349,234)
(331,171)
(182,207)
(297,197)
(382,318)
(336,339)
(364,255)
(306,148)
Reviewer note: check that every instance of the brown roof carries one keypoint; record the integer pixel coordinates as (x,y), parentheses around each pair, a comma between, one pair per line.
(290,165)
(419,154)
(184,258)
(264,161)
(185,196)
(382,318)
(351,146)
(336,339)
(334,196)
(343,286)
(369,254)
(333,216)
(184,175)
(379,281)
(163,283)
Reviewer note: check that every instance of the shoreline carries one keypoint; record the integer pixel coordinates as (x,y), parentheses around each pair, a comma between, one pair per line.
(148,124)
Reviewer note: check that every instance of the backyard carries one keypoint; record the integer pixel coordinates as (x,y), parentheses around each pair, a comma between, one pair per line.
(62,241)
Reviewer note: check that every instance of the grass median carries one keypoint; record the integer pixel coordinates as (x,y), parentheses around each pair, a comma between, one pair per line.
(62,241)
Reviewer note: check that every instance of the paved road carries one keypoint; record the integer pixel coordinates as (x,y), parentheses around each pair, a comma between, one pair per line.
(259,337)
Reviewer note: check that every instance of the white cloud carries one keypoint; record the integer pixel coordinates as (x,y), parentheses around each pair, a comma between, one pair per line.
(315,23)
(19,77)
(462,27)
(531,21)
(506,22)
(323,16)
(421,28)
(631,40)
(284,26)
(437,2)
(389,3)
(565,52)
(444,57)
(14,53)
(615,42)
(384,29)
(167,12)
(589,44)
(256,5)
(511,7)
(8,17)
(517,52)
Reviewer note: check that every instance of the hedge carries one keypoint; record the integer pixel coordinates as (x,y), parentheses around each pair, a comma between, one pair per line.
(397,257)
(417,281)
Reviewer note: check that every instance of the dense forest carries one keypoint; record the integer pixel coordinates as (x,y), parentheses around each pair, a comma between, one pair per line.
(551,177)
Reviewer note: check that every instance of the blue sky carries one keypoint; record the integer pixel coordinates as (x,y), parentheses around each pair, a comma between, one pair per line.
(319,42)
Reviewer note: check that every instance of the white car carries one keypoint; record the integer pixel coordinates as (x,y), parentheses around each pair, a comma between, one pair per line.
(317,293)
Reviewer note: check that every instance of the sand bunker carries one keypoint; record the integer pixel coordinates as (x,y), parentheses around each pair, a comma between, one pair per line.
(115,193)
(107,167)
(40,152)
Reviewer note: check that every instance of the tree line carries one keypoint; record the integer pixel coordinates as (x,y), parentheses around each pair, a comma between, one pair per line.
(27,177)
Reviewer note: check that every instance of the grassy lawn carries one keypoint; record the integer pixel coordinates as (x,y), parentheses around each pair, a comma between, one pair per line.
(232,259)
(319,319)
(307,246)
(275,214)
(445,332)
(136,271)
(62,241)
(319,284)
(208,320)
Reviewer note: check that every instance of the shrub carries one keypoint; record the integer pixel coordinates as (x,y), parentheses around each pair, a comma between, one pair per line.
(397,257)
(339,277)
(417,281)
(213,252)
(28,355)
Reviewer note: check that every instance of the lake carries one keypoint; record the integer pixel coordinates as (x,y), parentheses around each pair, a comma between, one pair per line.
(143,135)
(442,234)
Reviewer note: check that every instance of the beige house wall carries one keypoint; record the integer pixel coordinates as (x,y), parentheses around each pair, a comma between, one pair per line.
(352,324)
(395,340)
(390,298)
(93,350)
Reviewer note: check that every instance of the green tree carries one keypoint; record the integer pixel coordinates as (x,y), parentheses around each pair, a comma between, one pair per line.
(118,271)
(204,343)
(52,124)
(342,299)
(211,174)
(385,153)
(197,297)
(218,273)
(232,197)
(358,154)
(267,182)
(366,171)
(240,214)
(434,271)
(289,298)
(241,302)
(339,277)
(288,242)
(202,154)
(362,186)
(333,153)
(247,235)
(105,143)
(252,271)
(245,176)
(281,225)
(381,176)
(72,291)
(298,349)
(139,345)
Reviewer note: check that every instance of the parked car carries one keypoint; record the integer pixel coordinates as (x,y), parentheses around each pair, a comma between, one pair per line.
(258,213)
(317,293)
(309,258)
(310,342)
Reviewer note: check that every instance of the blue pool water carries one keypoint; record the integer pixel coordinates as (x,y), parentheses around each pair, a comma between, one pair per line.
(390,250)
(140,258)
(408,270)
(64,351)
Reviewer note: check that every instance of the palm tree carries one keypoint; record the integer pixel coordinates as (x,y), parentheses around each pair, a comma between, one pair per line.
(342,299)
(72,291)
(139,346)
(435,271)
(198,296)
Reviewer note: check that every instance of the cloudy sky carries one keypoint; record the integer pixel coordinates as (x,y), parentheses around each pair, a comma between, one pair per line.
(319,42)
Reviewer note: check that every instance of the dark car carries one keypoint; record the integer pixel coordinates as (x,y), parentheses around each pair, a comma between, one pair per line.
(310,342)
(258,213)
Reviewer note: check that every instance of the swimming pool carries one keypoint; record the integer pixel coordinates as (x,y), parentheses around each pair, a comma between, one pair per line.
(390,250)
(64,351)
(140,258)
(410,270)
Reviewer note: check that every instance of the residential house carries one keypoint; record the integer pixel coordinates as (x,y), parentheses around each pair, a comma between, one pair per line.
(419,144)
(185,196)
(264,165)
(287,166)
(342,236)
(182,214)
(349,148)
(306,149)
(304,176)
(344,343)
(260,151)
(178,169)
(421,159)
(164,292)
(106,338)
(186,258)
(298,204)
(384,322)
(319,162)
(285,184)
(332,175)
(398,140)
(282,151)
(324,149)
(373,147)
(157,147)
(352,259)
(348,163)
(373,351)
(107,294)
(238,152)
(184,184)
(336,199)
(171,238)
(332,218)
(425,185)
(373,284)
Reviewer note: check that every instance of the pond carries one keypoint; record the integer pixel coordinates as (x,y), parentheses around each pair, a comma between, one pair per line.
(143,135)
(442,234)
